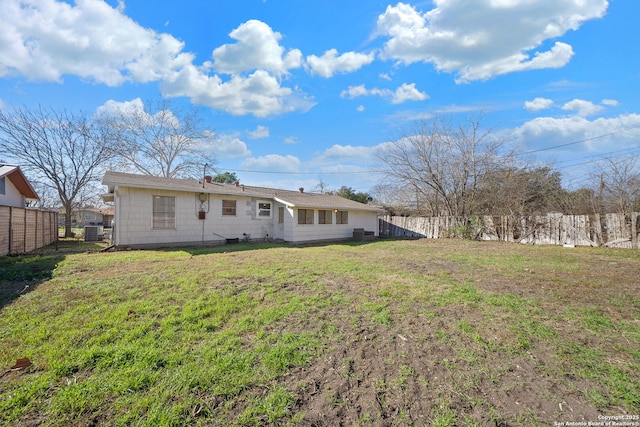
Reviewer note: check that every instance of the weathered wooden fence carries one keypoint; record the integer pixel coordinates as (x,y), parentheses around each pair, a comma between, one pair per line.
(23,230)
(611,230)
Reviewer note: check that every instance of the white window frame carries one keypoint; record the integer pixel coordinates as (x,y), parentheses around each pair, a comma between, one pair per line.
(163,216)
(261,211)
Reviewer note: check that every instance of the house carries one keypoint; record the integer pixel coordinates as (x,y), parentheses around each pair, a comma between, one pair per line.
(153,211)
(15,188)
(82,217)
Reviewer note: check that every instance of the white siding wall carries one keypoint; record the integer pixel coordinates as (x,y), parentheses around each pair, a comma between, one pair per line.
(11,196)
(290,221)
(333,231)
(134,212)
(134,216)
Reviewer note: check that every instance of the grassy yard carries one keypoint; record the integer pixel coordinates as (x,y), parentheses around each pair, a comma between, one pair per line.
(422,332)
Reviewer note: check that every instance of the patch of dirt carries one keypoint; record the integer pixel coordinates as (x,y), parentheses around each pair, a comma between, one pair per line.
(379,376)
(421,369)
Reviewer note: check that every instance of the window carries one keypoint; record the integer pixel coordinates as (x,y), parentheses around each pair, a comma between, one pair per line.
(229,207)
(342,217)
(164,212)
(305,216)
(324,217)
(2,188)
(281,215)
(264,210)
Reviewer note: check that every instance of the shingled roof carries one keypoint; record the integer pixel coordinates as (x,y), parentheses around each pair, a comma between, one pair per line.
(299,199)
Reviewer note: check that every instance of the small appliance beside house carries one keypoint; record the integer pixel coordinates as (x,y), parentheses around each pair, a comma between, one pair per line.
(152,212)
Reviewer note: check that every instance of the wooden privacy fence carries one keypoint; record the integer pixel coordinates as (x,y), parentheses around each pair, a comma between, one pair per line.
(611,230)
(23,230)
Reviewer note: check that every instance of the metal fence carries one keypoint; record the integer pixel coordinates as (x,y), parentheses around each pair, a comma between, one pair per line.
(24,230)
(611,230)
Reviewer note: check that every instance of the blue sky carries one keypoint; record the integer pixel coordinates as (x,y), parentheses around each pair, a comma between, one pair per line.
(299,93)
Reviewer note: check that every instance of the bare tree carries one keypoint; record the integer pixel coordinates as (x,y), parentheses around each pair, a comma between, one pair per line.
(581,201)
(65,151)
(158,140)
(620,183)
(47,196)
(519,191)
(443,162)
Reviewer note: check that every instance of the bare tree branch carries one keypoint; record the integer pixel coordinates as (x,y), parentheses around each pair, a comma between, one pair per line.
(64,150)
(443,163)
(159,140)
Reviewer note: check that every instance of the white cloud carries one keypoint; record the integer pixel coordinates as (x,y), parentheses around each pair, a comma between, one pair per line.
(406,92)
(582,108)
(538,104)
(331,63)
(491,38)
(354,92)
(229,147)
(360,108)
(111,107)
(610,102)
(259,94)
(135,108)
(346,152)
(44,40)
(272,162)
(257,48)
(259,133)
(345,159)
(291,140)
(602,134)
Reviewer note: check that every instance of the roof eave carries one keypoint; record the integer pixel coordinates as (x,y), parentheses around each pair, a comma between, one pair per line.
(22,184)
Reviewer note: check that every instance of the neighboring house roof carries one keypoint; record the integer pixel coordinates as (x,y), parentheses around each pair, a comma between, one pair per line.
(101,211)
(18,179)
(297,199)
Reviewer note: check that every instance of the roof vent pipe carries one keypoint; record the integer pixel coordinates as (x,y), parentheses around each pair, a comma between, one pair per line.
(237,183)
(301,189)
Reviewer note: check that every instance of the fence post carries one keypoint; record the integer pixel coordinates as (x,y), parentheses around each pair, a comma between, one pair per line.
(634,230)
(24,248)
(10,228)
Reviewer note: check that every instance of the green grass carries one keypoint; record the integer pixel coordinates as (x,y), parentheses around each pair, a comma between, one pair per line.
(229,335)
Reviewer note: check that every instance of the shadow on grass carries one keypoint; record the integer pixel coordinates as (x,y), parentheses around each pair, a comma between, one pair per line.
(20,274)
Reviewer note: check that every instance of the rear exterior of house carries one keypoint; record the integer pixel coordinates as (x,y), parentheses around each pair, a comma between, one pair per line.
(152,212)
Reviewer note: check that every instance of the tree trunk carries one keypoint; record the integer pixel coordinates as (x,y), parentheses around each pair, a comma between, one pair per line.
(67,220)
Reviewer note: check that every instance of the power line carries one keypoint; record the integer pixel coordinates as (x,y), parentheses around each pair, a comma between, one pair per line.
(373,171)
(577,142)
(568,143)
(596,157)
(302,173)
